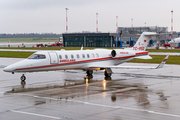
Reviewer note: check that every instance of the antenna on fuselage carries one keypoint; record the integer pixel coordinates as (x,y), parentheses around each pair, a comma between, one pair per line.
(82,47)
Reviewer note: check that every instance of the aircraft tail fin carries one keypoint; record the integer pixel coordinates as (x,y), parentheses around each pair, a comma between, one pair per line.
(143,40)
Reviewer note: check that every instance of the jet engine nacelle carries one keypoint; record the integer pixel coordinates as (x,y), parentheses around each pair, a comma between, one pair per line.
(121,53)
(113,53)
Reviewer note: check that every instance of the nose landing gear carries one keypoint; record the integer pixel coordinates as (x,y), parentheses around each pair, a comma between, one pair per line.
(23,82)
(23,78)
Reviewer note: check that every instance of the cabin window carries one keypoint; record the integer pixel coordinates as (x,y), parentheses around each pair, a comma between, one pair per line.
(77,55)
(60,57)
(92,55)
(66,56)
(72,56)
(97,55)
(87,55)
(37,56)
(83,55)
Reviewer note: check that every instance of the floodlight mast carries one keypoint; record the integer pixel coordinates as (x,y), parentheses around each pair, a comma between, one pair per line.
(171,24)
(66,19)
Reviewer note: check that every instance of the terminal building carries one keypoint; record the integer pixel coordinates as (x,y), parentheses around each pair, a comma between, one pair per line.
(133,33)
(90,39)
(126,36)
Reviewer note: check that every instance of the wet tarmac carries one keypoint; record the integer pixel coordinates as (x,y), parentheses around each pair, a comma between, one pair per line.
(136,94)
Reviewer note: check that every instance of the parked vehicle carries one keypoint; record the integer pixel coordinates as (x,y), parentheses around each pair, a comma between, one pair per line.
(175,45)
(167,45)
(56,44)
(39,45)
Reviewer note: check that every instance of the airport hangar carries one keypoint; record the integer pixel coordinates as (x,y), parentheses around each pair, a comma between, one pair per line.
(126,36)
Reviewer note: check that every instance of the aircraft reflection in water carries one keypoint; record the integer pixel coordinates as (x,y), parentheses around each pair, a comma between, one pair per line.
(88,86)
(140,96)
(70,82)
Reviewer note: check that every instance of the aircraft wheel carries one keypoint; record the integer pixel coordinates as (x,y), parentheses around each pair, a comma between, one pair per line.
(89,72)
(107,74)
(23,78)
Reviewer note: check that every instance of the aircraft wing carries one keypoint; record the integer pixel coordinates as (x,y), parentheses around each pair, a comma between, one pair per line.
(161,65)
(144,57)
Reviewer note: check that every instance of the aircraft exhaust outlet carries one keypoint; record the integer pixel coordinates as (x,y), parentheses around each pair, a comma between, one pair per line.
(113,53)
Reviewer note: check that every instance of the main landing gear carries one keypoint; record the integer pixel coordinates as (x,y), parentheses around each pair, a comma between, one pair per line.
(89,73)
(107,72)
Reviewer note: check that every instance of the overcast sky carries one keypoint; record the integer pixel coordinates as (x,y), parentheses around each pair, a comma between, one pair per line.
(49,16)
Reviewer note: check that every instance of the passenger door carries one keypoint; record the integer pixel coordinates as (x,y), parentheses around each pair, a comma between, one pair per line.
(53,57)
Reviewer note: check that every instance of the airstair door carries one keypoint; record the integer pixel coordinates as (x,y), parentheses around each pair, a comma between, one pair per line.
(53,57)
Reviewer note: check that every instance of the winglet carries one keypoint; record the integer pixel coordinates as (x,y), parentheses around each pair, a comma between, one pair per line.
(161,65)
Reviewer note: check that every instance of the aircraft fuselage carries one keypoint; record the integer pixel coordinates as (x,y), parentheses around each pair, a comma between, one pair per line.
(76,59)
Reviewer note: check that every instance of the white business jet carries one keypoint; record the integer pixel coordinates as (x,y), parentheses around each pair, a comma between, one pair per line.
(88,60)
(175,40)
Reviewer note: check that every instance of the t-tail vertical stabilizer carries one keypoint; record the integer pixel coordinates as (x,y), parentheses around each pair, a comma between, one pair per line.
(143,40)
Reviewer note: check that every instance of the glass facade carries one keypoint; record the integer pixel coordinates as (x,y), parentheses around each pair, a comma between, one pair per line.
(88,40)
(104,41)
(73,41)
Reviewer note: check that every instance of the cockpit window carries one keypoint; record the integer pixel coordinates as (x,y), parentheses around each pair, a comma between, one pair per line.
(37,56)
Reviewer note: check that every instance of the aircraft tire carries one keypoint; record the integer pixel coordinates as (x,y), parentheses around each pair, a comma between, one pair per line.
(89,72)
(107,74)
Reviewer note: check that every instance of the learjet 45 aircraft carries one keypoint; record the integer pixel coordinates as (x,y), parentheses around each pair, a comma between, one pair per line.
(88,60)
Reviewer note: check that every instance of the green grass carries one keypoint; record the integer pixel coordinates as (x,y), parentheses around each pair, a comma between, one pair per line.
(29,40)
(15,54)
(173,59)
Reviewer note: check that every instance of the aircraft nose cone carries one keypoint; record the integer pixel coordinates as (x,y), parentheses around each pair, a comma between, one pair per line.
(8,69)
